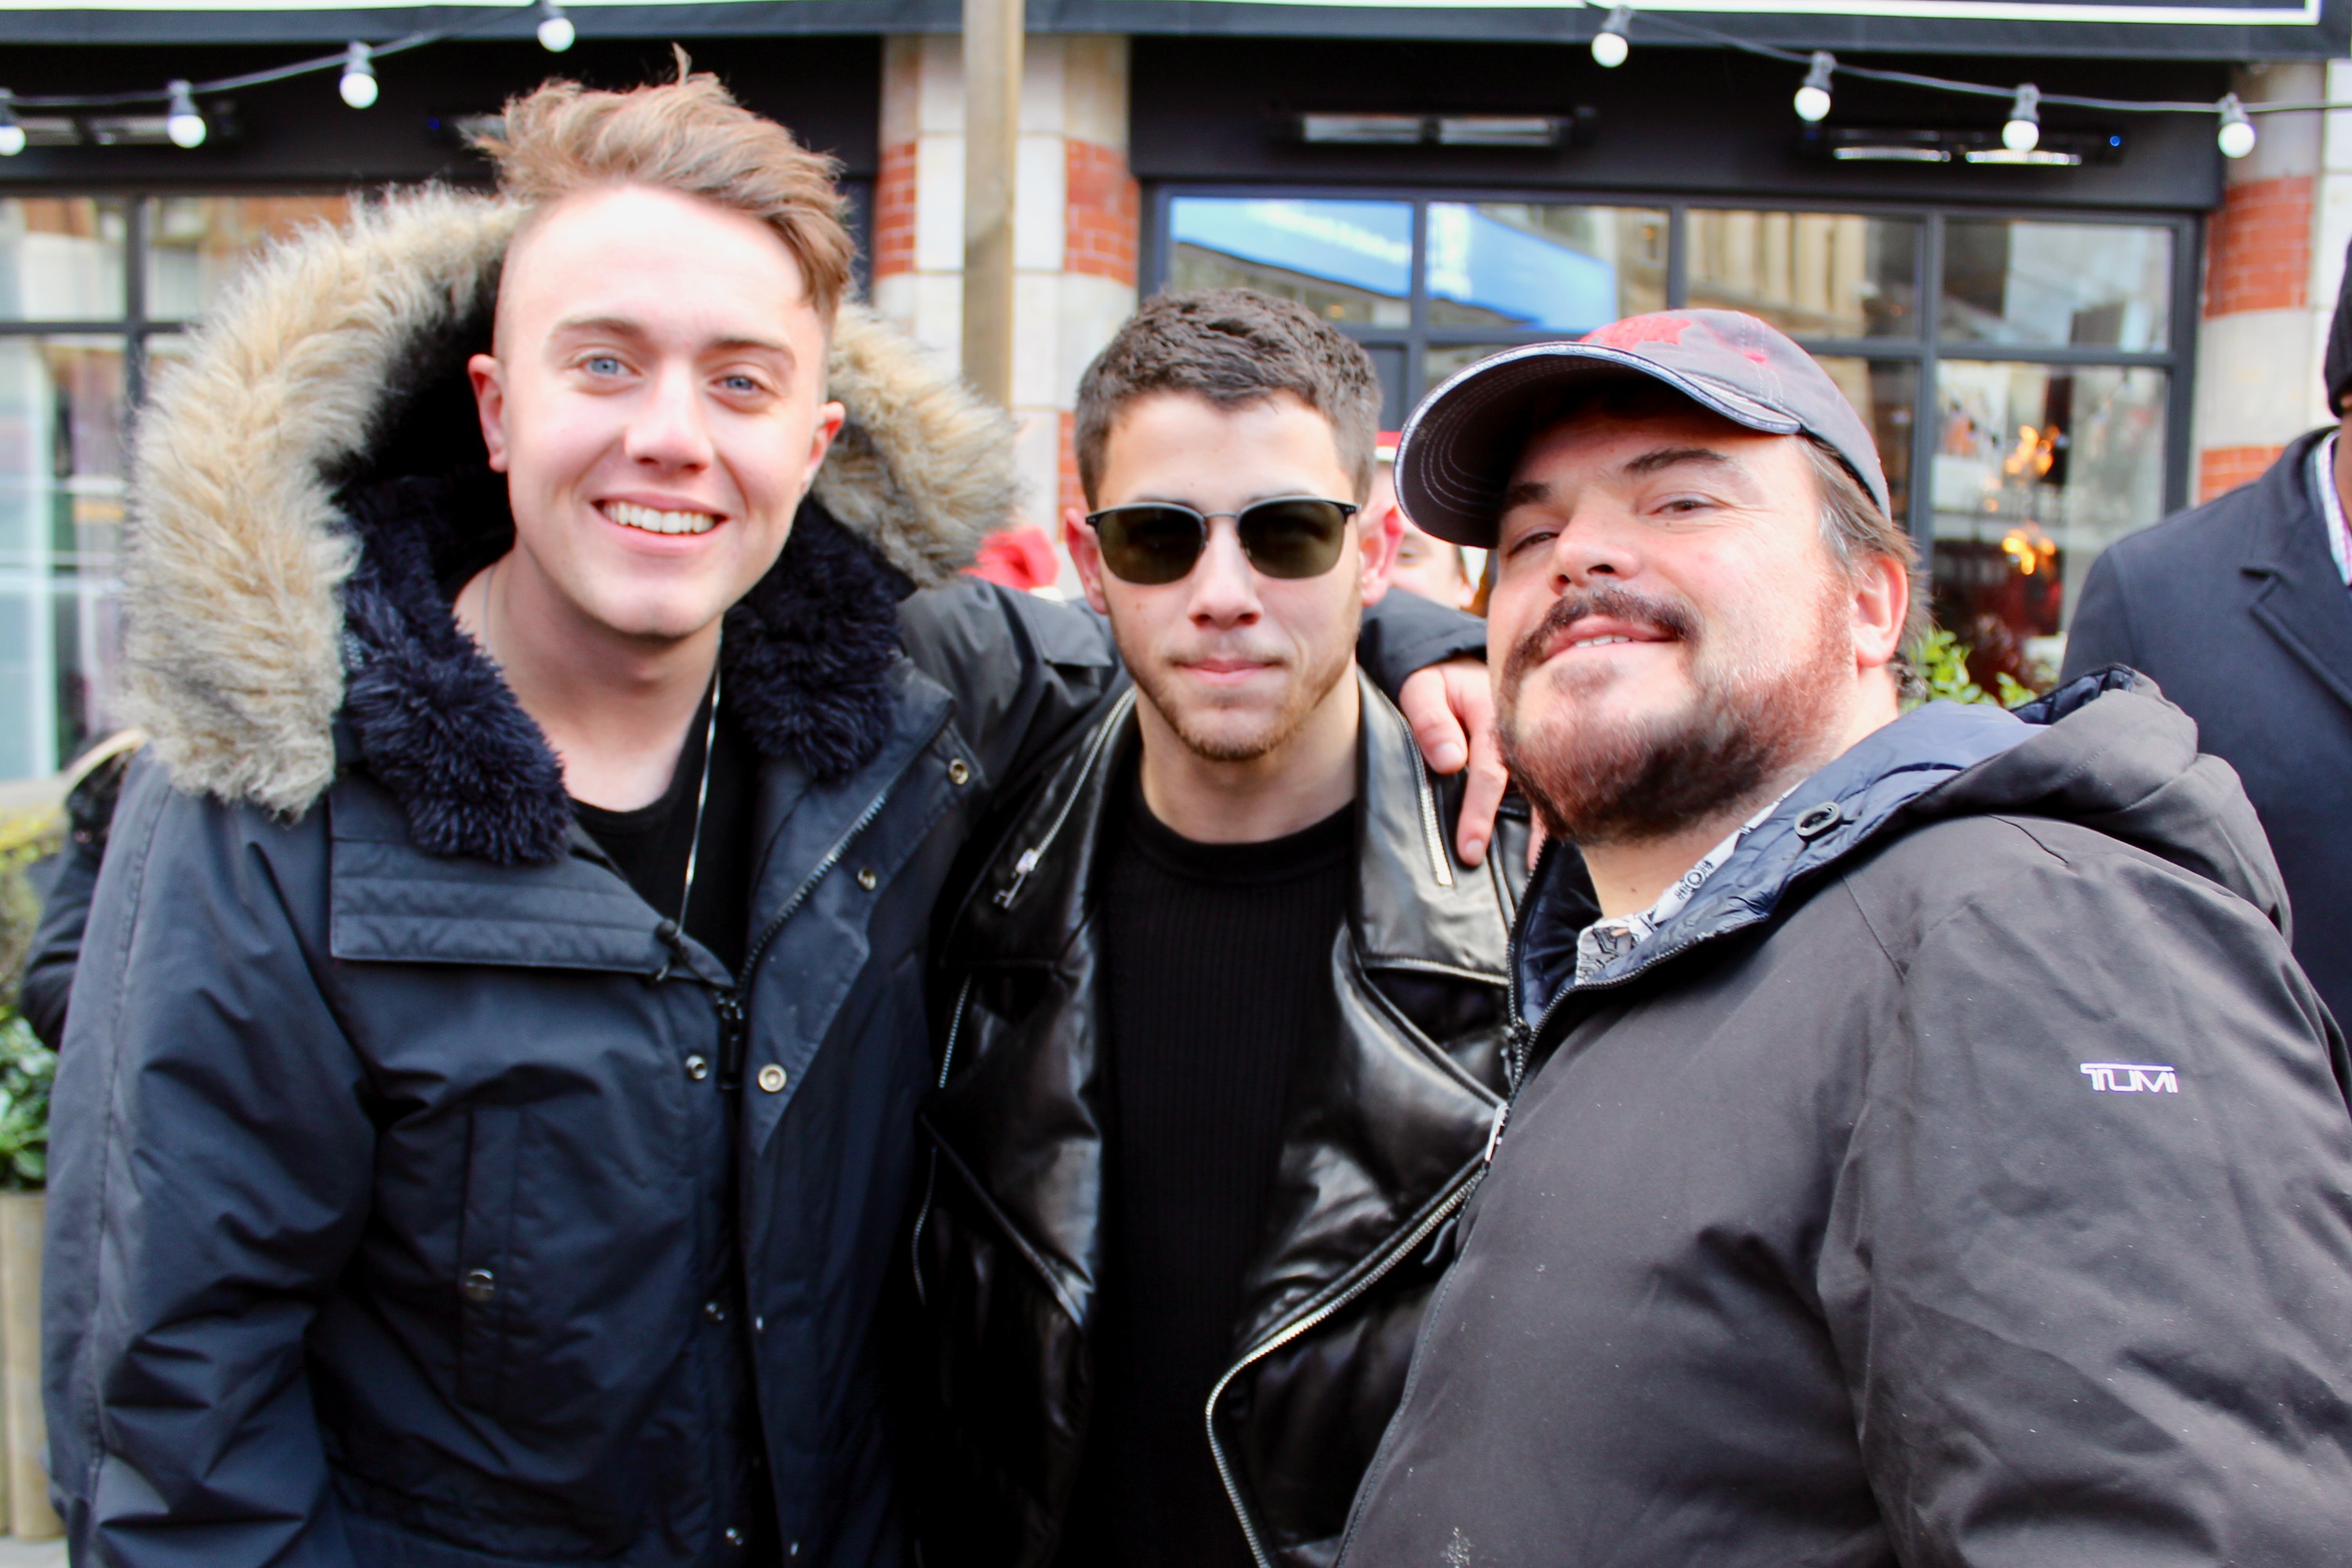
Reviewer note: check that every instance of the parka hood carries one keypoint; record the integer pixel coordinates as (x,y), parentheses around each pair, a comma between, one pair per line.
(309,481)
(2105,750)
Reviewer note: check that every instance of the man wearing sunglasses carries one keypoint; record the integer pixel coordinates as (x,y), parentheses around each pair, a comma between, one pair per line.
(1222,1012)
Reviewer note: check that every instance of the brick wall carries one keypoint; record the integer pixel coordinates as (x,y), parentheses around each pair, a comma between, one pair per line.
(1104,213)
(2223,468)
(894,212)
(2259,255)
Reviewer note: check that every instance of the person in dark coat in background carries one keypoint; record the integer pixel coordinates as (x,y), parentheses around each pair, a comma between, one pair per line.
(55,951)
(1929,1152)
(2242,610)
(486,1120)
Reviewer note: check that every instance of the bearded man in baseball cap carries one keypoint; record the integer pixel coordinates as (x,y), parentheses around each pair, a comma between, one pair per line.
(1924,1147)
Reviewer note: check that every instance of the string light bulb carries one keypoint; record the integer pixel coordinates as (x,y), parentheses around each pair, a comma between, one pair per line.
(2236,135)
(1609,46)
(2022,133)
(1813,97)
(181,123)
(359,84)
(12,135)
(556,33)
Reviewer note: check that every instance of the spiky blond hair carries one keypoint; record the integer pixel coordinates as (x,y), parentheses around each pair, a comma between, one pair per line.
(689,136)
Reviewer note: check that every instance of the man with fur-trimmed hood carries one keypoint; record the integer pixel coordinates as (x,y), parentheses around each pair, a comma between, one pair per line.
(487,1115)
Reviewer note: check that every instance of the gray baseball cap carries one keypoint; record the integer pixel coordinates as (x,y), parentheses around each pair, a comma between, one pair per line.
(1460,445)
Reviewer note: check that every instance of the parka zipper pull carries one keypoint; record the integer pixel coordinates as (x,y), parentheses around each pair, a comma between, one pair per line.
(1494,1134)
(731,1038)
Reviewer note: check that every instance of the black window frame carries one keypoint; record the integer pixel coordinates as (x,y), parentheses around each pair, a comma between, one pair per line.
(1927,350)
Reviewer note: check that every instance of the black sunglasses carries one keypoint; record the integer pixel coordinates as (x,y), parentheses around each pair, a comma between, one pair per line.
(1151,543)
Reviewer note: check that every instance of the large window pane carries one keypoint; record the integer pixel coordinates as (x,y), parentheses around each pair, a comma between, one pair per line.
(1560,268)
(61,259)
(2038,469)
(1886,392)
(1445,359)
(196,245)
(1346,260)
(61,504)
(2094,285)
(1812,275)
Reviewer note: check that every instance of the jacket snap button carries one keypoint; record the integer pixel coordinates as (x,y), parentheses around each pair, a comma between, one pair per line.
(698,1068)
(715,1310)
(959,773)
(734,1536)
(772,1078)
(1816,820)
(480,1285)
(867,879)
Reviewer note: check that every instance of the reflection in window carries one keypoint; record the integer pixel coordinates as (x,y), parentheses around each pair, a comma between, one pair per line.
(1812,275)
(1346,260)
(1886,392)
(61,506)
(60,259)
(1444,360)
(2090,285)
(1564,269)
(2038,469)
(196,245)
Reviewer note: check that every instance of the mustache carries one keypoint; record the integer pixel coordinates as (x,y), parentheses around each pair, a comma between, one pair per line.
(1607,600)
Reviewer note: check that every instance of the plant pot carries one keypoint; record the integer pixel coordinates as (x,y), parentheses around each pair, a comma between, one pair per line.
(29,1515)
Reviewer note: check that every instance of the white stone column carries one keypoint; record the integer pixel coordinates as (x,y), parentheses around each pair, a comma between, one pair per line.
(1076,233)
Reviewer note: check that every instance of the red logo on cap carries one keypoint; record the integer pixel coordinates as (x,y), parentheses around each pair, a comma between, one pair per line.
(1634,330)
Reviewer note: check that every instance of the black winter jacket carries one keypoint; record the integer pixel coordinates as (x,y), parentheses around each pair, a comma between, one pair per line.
(392,1174)
(1381,1139)
(2236,609)
(1964,1177)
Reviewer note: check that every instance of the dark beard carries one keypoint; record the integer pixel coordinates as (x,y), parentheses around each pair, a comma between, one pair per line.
(1659,774)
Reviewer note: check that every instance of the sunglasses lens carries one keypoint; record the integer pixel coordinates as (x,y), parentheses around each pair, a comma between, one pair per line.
(1150,544)
(1295,537)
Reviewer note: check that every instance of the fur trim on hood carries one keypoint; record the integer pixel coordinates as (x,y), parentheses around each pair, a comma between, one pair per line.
(273,465)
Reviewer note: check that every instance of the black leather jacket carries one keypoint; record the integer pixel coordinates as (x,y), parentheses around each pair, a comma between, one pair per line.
(1380,1152)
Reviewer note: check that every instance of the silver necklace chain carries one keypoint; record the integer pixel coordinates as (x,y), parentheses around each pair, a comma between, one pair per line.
(702,790)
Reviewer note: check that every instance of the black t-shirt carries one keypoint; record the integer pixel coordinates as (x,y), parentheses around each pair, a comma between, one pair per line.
(1217,978)
(650,844)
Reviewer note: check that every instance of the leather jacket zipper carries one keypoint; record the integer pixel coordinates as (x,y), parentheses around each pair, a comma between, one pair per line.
(1029,856)
(1440,865)
(932,1172)
(1398,1248)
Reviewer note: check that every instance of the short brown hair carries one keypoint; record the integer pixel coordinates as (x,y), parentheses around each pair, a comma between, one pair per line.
(1233,347)
(689,136)
(1853,527)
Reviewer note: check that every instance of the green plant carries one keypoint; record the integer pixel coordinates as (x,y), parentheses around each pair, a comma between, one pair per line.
(1943,662)
(28,1068)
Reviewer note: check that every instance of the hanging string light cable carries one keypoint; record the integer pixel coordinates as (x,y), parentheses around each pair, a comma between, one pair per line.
(2235,132)
(355,65)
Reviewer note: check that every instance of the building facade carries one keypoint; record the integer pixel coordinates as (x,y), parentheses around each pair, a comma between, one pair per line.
(2054,349)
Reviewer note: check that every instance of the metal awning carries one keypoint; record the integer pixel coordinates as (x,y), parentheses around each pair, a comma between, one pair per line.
(2176,29)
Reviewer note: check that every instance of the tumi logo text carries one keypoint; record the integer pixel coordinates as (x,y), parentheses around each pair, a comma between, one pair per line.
(2131,1078)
